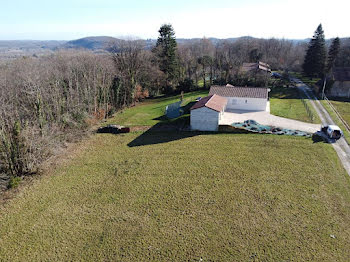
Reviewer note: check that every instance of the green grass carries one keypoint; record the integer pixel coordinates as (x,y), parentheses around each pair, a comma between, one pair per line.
(152,111)
(336,119)
(286,102)
(183,196)
(343,107)
(219,197)
(310,81)
(201,83)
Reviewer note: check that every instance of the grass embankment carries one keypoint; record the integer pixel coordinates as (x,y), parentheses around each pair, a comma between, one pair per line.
(286,102)
(176,196)
(336,119)
(152,111)
(343,108)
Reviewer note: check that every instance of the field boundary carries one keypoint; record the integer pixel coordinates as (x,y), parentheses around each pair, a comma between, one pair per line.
(308,110)
(337,114)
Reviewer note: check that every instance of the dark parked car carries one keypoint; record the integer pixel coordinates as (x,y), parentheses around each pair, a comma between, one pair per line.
(276,75)
(113,129)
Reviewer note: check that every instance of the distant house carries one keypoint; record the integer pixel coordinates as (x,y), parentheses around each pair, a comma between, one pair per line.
(207,112)
(243,98)
(256,68)
(341,82)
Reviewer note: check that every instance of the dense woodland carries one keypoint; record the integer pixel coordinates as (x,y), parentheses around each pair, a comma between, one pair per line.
(48,100)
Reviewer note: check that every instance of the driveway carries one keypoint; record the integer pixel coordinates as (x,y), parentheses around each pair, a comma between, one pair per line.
(265,118)
(341,146)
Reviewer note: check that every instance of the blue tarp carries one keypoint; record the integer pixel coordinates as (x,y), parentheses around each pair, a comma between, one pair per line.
(174,110)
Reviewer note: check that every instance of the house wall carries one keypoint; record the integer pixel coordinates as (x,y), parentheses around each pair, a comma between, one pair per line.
(340,89)
(205,119)
(246,103)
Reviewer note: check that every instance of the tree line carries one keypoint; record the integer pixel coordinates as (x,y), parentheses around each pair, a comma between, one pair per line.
(48,100)
(319,61)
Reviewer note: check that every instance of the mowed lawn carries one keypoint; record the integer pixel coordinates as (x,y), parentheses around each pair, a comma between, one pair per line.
(152,111)
(343,107)
(286,102)
(184,197)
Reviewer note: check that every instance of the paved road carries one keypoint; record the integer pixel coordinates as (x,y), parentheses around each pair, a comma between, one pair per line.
(341,146)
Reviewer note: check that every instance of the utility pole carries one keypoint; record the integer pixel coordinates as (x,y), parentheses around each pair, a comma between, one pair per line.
(324,86)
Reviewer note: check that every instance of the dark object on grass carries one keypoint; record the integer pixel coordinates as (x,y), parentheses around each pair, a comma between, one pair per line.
(113,129)
(276,75)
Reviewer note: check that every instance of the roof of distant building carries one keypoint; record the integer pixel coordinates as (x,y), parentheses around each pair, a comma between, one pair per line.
(249,67)
(236,91)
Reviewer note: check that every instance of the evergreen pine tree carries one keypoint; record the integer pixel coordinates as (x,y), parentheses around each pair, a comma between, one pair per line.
(166,51)
(333,53)
(315,58)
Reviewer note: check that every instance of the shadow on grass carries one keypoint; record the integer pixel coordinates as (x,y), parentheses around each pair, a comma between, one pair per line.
(319,137)
(185,109)
(161,133)
(284,93)
(339,99)
(162,118)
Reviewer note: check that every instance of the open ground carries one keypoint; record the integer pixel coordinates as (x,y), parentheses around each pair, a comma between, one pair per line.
(163,196)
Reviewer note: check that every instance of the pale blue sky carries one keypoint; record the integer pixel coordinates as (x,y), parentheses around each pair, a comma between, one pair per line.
(71,19)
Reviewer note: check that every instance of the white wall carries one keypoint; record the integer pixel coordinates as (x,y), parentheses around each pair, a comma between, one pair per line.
(340,89)
(246,103)
(204,119)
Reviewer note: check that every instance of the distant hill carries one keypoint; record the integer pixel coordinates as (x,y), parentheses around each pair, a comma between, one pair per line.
(17,48)
(101,42)
(92,42)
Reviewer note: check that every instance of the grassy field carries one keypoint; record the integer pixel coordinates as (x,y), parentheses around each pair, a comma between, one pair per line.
(152,111)
(336,119)
(343,107)
(184,196)
(286,102)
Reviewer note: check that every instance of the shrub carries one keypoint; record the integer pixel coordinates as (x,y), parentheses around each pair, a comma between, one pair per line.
(186,85)
(14,182)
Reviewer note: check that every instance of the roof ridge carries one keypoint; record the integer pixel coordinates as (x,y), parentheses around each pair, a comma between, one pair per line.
(211,96)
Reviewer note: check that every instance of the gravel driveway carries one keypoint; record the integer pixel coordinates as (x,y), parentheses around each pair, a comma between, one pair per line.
(265,118)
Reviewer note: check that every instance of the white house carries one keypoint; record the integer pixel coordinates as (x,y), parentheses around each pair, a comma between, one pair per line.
(206,113)
(243,98)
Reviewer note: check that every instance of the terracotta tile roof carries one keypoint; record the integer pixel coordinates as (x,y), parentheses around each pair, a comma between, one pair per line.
(236,91)
(248,67)
(214,102)
(341,74)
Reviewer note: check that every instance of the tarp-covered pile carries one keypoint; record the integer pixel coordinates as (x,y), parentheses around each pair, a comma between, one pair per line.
(255,127)
(173,110)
